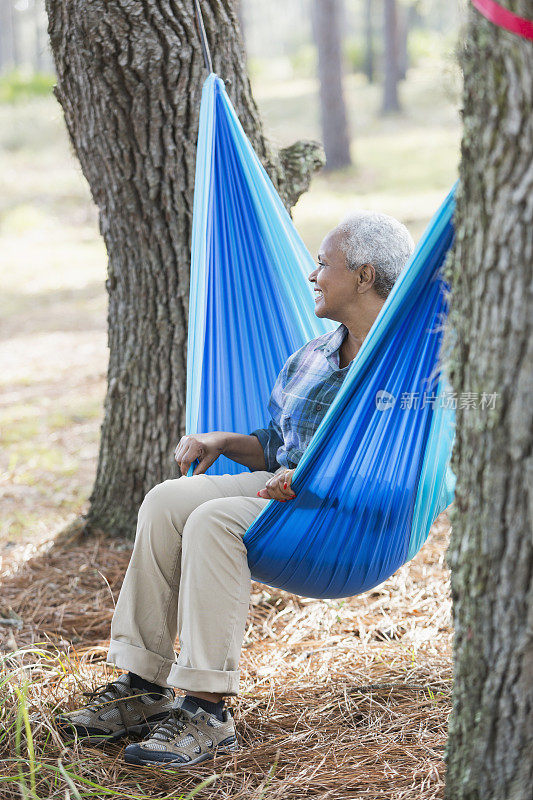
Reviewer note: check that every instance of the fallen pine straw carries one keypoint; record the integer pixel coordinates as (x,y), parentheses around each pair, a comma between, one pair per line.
(339,699)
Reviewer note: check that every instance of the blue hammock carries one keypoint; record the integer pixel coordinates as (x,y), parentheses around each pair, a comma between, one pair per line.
(376,472)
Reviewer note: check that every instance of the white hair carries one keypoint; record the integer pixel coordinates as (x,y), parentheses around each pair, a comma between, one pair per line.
(377,239)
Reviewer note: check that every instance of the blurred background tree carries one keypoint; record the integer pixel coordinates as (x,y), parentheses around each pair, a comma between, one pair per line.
(328,24)
(23,39)
(369,56)
(391,46)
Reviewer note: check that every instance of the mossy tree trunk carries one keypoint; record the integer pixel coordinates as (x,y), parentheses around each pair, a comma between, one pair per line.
(129,80)
(490,747)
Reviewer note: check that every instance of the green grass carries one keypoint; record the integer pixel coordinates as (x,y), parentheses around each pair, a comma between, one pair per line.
(36,766)
(18,86)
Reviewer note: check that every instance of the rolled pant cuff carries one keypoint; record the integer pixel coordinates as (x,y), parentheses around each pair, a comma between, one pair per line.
(204,680)
(150,666)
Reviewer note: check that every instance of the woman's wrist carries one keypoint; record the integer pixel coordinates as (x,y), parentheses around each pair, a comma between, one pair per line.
(244,448)
(223,442)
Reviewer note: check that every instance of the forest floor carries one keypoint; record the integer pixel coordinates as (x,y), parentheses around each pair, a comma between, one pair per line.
(340,699)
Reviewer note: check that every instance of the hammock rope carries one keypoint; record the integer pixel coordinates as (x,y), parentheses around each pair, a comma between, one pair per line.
(208,61)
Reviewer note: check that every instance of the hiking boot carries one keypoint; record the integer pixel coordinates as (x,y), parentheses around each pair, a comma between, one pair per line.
(116,710)
(187,737)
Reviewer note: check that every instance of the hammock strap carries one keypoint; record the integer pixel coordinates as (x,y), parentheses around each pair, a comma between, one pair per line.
(203,38)
(504,18)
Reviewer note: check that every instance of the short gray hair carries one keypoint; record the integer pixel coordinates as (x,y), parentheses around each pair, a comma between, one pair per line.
(377,239)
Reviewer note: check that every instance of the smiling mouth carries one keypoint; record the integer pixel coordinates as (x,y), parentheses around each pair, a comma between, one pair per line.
(318,294)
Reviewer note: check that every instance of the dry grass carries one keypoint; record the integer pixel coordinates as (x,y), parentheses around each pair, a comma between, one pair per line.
(340,699)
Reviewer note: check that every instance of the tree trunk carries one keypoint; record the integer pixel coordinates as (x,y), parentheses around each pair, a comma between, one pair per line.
(3,36)
(391,103)
(7,47)
(39,43)
(490,747)
(327,22)
(404,19)
(15,44)
(242,26)
(129,79)
(369,42)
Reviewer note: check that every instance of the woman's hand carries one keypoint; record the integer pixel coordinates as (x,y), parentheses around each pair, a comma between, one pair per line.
(206,447)
(278,487)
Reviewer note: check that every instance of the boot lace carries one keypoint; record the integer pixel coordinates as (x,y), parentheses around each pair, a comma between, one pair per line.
(105,694)
(108,693)
(171,726)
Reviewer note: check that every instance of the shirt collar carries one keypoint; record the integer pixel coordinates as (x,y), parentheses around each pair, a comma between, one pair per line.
(332,341)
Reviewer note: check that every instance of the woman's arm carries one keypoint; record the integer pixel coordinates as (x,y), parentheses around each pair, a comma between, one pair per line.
(207,447)
(244,449)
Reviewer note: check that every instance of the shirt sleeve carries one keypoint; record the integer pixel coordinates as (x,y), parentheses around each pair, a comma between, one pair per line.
(271,438)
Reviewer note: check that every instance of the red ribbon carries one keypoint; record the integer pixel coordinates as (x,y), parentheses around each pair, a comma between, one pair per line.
(504,18)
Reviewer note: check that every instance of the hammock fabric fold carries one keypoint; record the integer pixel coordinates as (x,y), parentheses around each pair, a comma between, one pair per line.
(376,473)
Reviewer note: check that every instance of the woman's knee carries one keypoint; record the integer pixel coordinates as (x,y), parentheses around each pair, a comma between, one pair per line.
(172,499)
(210,523)
(163,500)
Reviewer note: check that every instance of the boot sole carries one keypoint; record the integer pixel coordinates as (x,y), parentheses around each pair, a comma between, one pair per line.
(141,730)
(146,762)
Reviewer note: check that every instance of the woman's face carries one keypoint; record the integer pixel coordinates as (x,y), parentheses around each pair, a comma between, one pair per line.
(335,285)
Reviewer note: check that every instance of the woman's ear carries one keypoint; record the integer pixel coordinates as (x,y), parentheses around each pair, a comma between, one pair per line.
(367,276)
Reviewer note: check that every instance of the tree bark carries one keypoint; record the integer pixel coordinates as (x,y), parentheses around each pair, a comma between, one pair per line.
(390,104)
(327,22)
(129,79)
(242,25)
(490,747)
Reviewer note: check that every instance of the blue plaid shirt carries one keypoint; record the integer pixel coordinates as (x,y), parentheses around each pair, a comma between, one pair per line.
(303,392)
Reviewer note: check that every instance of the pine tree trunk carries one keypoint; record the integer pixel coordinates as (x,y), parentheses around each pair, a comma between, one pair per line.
(327,27)
(490,747)
(129,79)
(391,103)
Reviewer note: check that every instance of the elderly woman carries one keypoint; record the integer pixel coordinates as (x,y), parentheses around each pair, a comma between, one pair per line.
(188,573)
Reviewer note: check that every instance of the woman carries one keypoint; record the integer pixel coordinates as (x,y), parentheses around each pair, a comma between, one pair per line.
(188,573)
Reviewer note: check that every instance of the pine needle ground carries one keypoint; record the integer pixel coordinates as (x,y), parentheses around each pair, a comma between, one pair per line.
(339,699)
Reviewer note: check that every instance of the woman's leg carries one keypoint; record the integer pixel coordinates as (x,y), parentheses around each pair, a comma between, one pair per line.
(144,625)
(214,595)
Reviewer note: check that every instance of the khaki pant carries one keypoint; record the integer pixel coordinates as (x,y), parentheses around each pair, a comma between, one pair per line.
(189,575)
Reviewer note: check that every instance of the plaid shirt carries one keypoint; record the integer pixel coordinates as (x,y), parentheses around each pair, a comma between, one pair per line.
(303,392)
